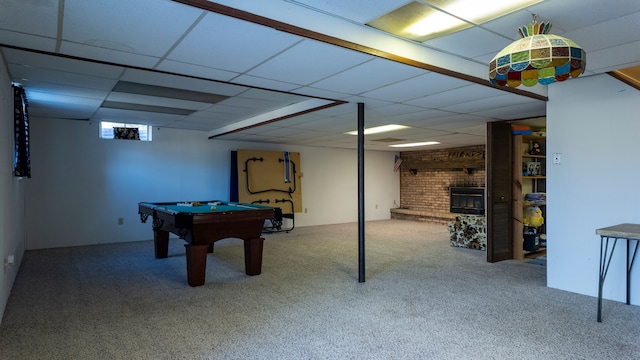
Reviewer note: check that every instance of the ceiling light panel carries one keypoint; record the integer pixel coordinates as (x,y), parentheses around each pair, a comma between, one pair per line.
(380,129)
(425,143)
(412,21)
(421,21)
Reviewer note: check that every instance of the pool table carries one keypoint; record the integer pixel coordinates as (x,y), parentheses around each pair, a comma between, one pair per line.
(201,223)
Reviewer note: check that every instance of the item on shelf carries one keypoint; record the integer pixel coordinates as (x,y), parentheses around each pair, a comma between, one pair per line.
(536,198)
(534,217)
(531,168)
(520,129)
(534,148)
(531,239)
(530,151)
(543,240)
(541,132)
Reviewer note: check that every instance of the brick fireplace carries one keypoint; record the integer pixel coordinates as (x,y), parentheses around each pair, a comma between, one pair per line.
(427,176)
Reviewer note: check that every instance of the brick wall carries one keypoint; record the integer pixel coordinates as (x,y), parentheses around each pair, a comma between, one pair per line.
(424,195)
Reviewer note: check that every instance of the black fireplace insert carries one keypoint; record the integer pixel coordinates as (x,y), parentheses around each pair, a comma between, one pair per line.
(466,200)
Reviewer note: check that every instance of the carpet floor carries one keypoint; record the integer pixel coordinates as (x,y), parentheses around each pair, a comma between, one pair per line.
(422,299)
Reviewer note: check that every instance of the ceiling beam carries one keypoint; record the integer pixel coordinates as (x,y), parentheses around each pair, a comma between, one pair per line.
(310,34)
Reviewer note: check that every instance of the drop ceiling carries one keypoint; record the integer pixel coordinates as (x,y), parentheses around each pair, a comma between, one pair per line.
(287,72)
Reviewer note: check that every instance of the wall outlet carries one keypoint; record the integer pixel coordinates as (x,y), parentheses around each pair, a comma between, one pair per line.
(9,261)
(120,221)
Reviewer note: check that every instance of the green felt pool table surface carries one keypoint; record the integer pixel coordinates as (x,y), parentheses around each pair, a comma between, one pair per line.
(210,206)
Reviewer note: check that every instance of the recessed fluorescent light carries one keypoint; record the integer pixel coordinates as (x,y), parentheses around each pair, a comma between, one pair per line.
(416,144)
(380,129)
(429,19)
(435,23)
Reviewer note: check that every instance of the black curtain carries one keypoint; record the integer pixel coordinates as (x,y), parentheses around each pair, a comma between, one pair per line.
(125,133)
(22,158)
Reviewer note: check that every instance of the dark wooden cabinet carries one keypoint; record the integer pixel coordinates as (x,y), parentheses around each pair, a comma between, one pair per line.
(499,193)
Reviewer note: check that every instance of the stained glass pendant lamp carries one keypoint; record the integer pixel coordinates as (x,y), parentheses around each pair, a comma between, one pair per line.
(538,57)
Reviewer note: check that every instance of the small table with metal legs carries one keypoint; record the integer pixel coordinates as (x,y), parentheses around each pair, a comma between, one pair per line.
(628,232)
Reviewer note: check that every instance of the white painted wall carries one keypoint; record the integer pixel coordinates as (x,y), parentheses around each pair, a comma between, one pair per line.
(593,122)
(81,184)
(12,226)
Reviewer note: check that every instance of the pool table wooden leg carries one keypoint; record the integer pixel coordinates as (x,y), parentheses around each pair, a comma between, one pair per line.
(253,256)
(161,243)
(196,263)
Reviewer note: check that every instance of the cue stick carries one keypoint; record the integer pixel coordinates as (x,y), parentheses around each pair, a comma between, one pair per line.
(287,167)
(243,206)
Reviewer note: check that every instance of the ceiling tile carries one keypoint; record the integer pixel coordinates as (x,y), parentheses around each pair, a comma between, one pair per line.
(326,94)
(329,124)
(265,83)
(60,111)
(510,112)
(198,71)
(282,131)
(104,24)
(135,117)
(417,87)
(276,96)
(307,62)
(156,101)
(471,42)
(605,34)
(61,77)
(30,17)
(359,79)
(97,53)
(450,97)
(212,44)
(357,10)
(27,41)
(60,89)
(180,82)
(488,103)
(570,15)
(62,64)
(401,91)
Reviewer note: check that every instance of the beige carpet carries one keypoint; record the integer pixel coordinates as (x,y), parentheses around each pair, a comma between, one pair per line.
(423,299)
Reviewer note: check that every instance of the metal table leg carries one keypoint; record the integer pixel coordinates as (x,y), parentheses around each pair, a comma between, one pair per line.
(630,266)
(604,268)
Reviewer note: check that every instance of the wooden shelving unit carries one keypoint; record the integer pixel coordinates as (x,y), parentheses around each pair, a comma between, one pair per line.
(523,183)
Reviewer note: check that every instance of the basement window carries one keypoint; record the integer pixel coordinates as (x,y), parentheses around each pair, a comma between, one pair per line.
(112,130)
